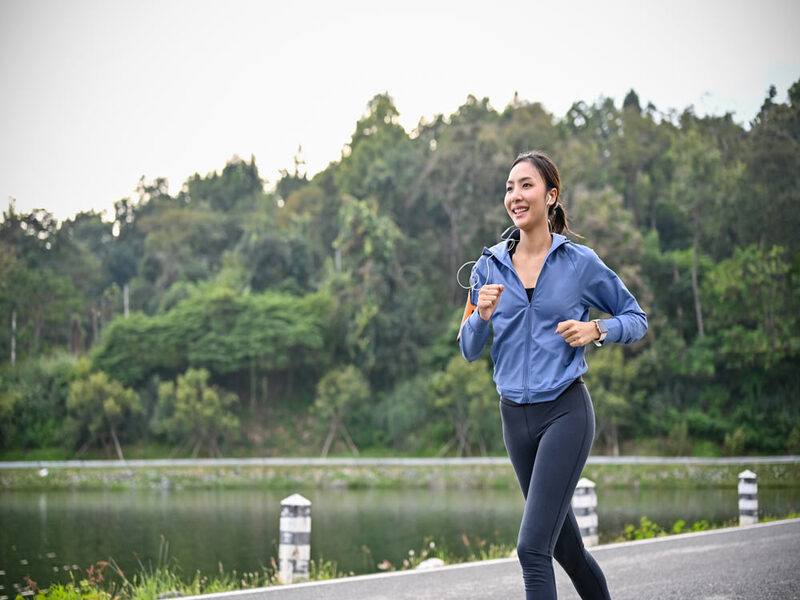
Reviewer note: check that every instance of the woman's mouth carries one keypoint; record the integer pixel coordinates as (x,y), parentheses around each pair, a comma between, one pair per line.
(520,210)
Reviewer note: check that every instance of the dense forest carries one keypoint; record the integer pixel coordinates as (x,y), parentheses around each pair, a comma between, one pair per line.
(321,316)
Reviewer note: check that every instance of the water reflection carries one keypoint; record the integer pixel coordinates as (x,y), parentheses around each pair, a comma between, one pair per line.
(239,528)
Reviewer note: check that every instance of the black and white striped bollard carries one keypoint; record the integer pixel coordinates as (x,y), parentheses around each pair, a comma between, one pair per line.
(584,505)
(748,498)
(294,552)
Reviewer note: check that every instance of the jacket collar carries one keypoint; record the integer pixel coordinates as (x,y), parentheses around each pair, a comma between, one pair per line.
(500,250)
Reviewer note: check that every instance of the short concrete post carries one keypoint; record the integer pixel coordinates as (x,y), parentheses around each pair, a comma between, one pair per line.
(584,504)
(294,552)
(748,498)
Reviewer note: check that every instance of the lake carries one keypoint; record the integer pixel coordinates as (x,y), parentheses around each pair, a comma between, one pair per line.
(46,534)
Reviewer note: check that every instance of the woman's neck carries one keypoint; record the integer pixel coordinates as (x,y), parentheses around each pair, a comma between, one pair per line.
(535,241)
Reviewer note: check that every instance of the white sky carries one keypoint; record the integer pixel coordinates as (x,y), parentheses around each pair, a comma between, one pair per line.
(96,93)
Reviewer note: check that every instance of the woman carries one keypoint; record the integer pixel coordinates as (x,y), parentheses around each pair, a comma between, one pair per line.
(538,287)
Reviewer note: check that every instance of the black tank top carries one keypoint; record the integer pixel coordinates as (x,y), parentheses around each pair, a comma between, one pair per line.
(529,290)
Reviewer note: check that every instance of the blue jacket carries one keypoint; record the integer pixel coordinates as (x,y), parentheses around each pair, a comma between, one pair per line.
(532,363)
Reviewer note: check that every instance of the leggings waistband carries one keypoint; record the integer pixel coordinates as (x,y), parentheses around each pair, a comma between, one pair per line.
(508,402)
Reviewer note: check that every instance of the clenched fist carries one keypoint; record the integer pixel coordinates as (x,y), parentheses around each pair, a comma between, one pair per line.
(578,333)
(488,297)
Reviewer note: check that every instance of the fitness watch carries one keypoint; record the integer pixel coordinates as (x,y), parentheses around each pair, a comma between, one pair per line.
(603,329)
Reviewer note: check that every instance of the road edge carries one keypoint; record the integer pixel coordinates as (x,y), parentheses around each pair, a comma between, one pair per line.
(477,563)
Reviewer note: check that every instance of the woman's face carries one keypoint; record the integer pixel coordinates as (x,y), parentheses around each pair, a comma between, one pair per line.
(526,196)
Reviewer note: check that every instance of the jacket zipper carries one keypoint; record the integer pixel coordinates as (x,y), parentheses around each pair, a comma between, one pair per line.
(527,349)
(529,333)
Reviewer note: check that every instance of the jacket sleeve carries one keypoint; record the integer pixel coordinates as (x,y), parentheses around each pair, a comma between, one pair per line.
(604,290)
(473,336)
(474,331)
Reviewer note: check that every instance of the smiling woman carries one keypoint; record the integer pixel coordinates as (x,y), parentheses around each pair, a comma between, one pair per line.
(538,301)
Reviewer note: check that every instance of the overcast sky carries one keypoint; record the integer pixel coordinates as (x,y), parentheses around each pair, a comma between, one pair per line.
(96,93)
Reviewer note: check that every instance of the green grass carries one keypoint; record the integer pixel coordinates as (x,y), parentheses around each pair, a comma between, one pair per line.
(650,529)
(675,476)
(37,454)
(106,581)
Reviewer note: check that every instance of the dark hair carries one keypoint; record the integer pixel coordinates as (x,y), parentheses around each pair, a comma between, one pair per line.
(556,215)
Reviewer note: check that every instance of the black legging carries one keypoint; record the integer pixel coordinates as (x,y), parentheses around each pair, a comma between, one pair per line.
(548,443)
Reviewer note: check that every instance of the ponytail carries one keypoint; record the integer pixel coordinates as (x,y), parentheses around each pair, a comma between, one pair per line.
(557,217)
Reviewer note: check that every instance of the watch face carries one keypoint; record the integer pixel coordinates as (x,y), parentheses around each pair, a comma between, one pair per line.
(603,327)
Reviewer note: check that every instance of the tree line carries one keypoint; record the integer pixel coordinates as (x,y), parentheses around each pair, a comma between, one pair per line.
(321,316)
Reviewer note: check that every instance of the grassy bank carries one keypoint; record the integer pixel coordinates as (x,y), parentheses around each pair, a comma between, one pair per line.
(635,476)
(105,581)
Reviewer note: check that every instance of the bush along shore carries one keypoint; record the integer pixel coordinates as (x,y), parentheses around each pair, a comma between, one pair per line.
(496,476)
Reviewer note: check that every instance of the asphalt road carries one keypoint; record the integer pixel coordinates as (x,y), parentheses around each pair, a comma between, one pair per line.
(758,562)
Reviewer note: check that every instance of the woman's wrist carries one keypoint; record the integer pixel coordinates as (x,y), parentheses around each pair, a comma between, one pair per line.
(601,330)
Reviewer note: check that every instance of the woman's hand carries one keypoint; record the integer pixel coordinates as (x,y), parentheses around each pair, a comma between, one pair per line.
(488,297)
(578,333)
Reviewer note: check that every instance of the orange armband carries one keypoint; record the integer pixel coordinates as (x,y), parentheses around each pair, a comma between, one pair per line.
(468,310)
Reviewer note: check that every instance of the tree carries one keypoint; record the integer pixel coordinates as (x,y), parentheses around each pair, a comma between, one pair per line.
(380,162)
(701,187)
(527,126)
(639,166)
(753,299)
(9,280)
(8,400)
(372,303)
(465,392)
(237,187)
(772,155)
(99,406)
(631,102)
(460,190)
(195,413)
(40,387)
(342,396)
(181,244)
(39,293)
(84,241)
(292,182)
(245,339)
(277,261)
(307,214)
(611,380)
(124,250)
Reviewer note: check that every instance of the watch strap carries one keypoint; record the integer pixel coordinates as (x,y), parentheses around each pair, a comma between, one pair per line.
(602,328)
